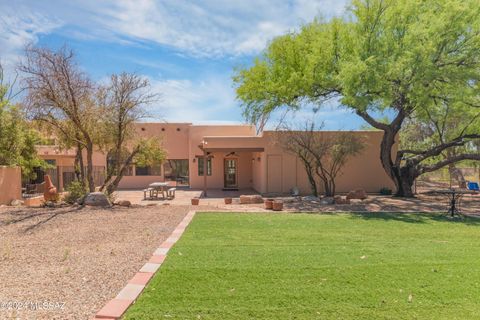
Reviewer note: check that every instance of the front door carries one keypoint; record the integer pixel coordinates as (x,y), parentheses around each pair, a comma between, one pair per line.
(230,174)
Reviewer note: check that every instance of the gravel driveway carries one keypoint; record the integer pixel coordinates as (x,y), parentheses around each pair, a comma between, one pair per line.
(73,259)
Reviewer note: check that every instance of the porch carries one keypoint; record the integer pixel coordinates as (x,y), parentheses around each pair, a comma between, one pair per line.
(240,158)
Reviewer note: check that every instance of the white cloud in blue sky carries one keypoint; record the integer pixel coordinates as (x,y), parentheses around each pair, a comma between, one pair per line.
(188,49)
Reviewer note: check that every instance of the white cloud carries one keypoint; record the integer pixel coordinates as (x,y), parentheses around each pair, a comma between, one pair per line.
(16,31)
(202,28)
(193,101)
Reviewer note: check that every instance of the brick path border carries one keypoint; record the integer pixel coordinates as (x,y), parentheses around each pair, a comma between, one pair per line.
(116,307)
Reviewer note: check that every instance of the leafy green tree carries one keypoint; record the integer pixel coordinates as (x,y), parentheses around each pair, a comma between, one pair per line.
(407,58)
(17,139)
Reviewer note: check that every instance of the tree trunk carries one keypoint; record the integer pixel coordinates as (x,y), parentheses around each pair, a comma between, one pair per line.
(328,190)
(78,165)
(407,176)
(403,177)
(114,184)
(91,183)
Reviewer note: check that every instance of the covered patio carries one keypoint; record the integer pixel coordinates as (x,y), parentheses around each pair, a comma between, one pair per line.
(240,158)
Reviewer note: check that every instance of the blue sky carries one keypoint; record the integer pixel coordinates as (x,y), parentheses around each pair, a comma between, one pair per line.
(187,49)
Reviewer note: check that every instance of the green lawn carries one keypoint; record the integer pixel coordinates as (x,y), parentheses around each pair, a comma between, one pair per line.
(300,266)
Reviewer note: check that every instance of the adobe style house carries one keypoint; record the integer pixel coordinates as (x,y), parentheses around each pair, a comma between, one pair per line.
(238,158)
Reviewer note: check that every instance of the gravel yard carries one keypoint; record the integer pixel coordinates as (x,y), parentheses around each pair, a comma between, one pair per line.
(76,259)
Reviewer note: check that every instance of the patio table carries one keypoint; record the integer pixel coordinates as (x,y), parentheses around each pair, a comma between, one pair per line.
(159,187)
(454,196)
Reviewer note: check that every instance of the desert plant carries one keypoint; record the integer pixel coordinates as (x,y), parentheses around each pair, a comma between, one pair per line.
(76,191)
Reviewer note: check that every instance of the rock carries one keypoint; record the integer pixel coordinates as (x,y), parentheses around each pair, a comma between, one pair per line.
(295,191)
(327,200)
(341,200)
(357,194)
(49,204)
(97,199)
(16,203)
(310,198)
(124,203)
(256,198)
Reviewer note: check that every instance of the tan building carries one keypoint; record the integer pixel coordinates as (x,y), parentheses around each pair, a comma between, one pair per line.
(238,158)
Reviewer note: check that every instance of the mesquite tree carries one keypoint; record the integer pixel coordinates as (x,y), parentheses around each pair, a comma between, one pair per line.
(409,59)
(323,155)
(123,102)
(60,95)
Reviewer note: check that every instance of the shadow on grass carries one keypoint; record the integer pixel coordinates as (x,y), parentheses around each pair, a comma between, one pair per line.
(416,217)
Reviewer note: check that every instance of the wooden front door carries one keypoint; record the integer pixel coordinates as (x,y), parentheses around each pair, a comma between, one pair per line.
(230,174)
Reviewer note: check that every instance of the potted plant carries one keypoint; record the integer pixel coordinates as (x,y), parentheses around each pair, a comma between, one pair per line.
(269,203)
(228,200)
(277,205)
(195,201)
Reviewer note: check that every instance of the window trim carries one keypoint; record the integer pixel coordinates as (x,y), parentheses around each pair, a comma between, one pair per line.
(200,167)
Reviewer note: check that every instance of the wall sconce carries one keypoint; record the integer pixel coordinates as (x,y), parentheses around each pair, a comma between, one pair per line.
(258,159)
(194,160)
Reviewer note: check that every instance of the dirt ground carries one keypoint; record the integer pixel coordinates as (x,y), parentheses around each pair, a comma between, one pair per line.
(74,259)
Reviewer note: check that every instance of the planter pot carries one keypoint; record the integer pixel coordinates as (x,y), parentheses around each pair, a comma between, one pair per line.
(277,205)
(195,201)
(269,204)
(228,200)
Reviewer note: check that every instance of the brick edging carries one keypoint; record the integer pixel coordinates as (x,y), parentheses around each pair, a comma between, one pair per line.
(116,307)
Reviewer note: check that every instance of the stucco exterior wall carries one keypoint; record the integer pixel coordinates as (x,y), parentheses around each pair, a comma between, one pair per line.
(10,184)
(362,171)
(263,166)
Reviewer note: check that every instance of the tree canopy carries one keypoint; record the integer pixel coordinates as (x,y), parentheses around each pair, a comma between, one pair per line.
(416,60)
(17,139)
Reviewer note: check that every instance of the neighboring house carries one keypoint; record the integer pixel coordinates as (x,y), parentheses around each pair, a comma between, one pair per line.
(238,158)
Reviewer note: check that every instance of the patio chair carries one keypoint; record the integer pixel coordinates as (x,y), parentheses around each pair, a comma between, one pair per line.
(473,186)
(171,193)
(150,195)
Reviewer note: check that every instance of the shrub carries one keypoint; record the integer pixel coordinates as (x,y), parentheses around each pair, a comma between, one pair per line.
(76,191)
(386,191)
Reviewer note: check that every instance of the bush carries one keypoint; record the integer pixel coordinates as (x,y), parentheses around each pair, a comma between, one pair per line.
(386,191)
(76,191)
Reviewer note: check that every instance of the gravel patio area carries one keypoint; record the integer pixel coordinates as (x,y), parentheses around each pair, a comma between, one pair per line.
(75,259)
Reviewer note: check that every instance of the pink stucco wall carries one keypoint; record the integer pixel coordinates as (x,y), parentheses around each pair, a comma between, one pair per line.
(263,166)
(10,184)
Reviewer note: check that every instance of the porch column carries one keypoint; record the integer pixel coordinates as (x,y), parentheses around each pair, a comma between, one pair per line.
(205,173)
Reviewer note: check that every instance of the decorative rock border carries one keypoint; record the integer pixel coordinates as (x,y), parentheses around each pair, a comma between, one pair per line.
(116,307)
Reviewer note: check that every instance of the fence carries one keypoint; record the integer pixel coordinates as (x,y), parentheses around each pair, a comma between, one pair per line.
(62,176)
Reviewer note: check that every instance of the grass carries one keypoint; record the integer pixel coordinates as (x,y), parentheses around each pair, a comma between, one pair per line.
(300,266)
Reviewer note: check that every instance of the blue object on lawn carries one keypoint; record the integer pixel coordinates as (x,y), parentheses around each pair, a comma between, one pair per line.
(473,186)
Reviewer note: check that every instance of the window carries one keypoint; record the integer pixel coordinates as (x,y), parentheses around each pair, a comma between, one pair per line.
(51,162)
(176,170)
(155,170)
(111,160)
(200,166)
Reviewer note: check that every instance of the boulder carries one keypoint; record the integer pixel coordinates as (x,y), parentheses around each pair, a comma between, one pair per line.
(310,198)
(295,191)
(97,199)
(124,203)
(327,200)
(256,198)
(16,203)
(357,194)
(341,200)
